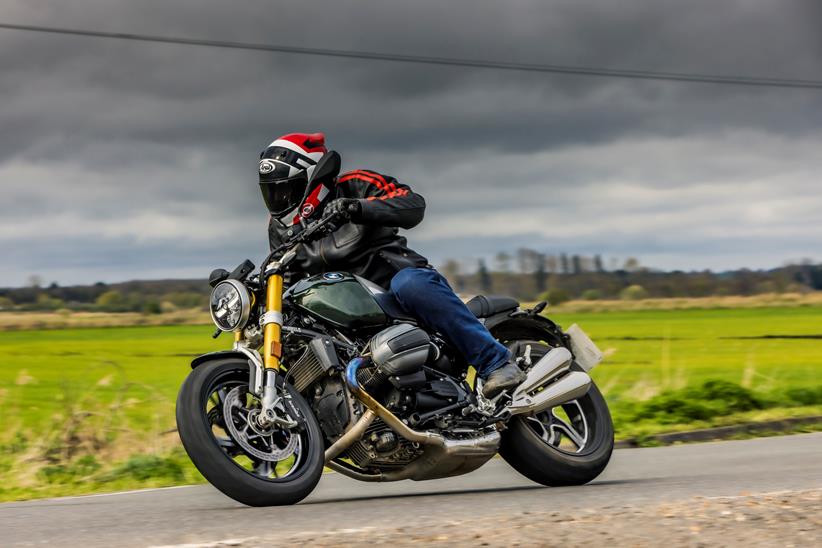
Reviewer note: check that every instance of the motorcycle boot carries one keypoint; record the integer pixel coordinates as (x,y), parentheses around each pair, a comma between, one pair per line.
(505,378)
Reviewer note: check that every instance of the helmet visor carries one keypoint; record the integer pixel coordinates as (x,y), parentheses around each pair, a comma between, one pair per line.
(283,195)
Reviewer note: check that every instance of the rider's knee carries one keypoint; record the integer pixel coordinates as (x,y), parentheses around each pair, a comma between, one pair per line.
(408,283)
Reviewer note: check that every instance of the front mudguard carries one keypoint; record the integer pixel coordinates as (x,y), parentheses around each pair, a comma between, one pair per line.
(256,370)
(218,355)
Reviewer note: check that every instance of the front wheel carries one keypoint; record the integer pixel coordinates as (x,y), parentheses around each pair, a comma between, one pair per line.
(254,466)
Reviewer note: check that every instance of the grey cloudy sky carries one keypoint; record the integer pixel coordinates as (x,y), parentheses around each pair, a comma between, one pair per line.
(123,160)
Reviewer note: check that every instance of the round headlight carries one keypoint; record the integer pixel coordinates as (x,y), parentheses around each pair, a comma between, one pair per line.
(230,305)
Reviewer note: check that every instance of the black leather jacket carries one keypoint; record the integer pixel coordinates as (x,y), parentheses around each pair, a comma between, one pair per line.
(370,245)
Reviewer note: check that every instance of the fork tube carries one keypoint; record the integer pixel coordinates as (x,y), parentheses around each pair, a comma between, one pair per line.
(272,332)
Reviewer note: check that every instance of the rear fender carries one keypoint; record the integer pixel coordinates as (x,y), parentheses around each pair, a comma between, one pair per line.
(523,321)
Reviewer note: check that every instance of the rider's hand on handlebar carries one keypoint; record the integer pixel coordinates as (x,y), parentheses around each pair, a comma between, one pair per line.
(340,211)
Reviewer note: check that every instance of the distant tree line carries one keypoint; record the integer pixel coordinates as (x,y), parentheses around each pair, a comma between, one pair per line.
(148,297)
(529,275)
(526,274)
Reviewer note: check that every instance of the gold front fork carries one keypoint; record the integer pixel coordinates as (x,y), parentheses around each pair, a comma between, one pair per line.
(272,332)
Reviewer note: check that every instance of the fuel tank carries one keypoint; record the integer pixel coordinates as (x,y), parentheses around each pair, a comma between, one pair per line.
(338,298)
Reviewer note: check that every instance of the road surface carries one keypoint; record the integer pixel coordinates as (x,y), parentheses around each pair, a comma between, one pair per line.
(650,484)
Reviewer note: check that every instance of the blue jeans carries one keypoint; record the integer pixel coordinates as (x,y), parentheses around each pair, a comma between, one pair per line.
(425,294)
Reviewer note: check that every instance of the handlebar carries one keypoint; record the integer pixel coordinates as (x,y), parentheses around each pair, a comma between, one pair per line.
(307,234)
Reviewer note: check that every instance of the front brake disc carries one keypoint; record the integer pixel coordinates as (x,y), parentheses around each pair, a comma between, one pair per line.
(240,422)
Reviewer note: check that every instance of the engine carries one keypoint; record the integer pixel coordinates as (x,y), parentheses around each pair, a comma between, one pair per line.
(405,375)
(381,447)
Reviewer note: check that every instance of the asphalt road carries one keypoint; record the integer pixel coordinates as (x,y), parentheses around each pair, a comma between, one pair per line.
(200,514)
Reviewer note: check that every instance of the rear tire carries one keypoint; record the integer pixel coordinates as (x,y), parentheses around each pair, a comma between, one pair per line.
(525,450)
(217,466)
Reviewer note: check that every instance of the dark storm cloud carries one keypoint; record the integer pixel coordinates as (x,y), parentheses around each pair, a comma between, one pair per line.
(147,151)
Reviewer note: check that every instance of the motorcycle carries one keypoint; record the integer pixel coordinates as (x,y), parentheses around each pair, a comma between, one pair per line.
(330,372)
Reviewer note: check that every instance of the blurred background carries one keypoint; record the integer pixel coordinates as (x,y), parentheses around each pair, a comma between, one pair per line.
(676,220)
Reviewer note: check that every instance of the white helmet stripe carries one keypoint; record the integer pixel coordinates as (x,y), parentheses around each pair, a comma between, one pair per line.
(296,148)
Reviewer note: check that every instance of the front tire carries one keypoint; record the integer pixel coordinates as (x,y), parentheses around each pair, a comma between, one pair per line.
(220,458)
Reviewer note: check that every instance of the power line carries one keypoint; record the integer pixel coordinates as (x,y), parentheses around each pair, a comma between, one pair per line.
(446,61)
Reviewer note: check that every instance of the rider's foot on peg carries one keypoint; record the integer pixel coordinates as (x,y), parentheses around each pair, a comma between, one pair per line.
(507,376)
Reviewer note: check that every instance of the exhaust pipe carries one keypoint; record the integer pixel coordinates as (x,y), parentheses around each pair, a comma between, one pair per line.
(549,383)
(393,421)
(353,434)
(443,457)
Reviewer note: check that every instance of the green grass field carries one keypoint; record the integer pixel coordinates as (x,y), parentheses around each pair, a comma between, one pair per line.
(42,372)
(665,349)
(105,395)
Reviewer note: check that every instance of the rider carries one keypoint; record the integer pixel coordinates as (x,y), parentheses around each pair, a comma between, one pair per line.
(368,209)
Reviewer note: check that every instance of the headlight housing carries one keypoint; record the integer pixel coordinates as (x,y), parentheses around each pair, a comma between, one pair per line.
(230,305)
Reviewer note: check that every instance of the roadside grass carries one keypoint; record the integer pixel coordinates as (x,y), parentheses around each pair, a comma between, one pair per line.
(69,319)
(90,410)
(764,300)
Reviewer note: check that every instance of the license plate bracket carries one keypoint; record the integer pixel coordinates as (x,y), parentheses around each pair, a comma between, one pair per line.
(586,353)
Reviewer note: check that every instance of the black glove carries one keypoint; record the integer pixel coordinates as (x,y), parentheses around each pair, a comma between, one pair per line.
(342,210)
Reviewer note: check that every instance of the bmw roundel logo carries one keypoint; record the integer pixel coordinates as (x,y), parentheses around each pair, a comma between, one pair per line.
(332,276)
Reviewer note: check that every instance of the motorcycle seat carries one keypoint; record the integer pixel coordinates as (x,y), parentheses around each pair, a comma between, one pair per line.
(483,306)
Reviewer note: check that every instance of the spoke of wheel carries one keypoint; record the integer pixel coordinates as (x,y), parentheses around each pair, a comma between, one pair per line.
(213,415)
(545,434)
(264,469)
(568,430)
(227,444)
(556,434)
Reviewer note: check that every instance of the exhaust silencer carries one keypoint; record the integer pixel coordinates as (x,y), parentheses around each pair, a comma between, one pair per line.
(549,383)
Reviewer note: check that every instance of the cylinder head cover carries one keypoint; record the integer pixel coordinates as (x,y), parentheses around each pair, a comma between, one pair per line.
(400,349)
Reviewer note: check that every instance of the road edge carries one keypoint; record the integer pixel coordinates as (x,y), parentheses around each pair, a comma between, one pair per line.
(786,425)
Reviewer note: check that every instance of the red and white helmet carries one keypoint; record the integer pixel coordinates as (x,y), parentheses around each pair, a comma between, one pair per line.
(286,166)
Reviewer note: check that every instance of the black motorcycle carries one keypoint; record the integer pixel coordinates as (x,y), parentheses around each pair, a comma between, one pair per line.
(330,372)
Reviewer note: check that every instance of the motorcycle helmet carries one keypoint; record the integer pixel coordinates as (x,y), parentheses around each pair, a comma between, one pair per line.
(286,166)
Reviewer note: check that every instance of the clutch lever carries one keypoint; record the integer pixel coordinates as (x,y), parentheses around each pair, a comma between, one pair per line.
(299,238)
(312,229)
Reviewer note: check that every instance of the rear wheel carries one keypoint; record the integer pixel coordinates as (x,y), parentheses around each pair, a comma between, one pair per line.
(253,465)
(569,444)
